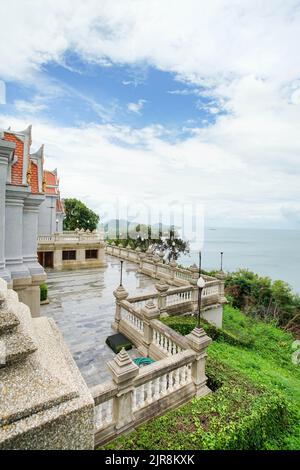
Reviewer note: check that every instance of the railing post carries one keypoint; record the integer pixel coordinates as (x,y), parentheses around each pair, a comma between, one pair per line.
(120,294)
(156,260)
(221,277)
(123,372)
(150,312)
(198,341)
(162,288)
(195,274)
(172,270)
(142,258)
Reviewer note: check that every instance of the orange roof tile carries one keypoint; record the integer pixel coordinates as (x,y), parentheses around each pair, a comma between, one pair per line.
(34,184)
(17,168)
(51,182)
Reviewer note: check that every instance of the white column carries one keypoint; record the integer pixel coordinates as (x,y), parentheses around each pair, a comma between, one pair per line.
(30,231)
(15,197)
(6,154)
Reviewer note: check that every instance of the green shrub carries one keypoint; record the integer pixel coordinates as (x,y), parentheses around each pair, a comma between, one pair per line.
(238,415)
(43,292)
(259,297)
(184,325)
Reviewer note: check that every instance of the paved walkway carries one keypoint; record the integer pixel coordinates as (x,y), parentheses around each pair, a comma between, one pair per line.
(83,306)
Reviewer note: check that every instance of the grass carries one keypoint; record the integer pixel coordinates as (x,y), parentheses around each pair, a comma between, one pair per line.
(256,404)
(267,363)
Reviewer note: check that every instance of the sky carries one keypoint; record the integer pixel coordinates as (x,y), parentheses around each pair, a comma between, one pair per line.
(147,103)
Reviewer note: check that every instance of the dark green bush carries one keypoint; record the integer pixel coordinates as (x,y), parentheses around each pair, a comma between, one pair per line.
(184,325)
(238,415)
(261,298)
(43,292)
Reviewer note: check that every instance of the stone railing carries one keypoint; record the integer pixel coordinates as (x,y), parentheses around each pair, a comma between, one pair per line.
(135,395)
(75,236)
(154,267)
(179,300)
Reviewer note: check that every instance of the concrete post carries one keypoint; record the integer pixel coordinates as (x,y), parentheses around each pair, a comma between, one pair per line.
(195,275)
(6,156)
(120,294)
(15,196)
(123,372)
(221,276)
(80,255)
(156,260)
(198,341)
(173,266)
(150,312)
(142,258)
(31,296)
(57,258)
(162,288)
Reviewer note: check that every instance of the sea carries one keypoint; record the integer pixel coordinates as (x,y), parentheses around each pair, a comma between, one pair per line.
(267,252)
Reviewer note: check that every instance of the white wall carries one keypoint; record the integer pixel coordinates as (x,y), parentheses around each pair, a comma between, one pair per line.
(47,216)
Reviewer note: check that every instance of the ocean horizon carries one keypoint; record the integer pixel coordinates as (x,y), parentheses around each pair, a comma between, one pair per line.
(268,252)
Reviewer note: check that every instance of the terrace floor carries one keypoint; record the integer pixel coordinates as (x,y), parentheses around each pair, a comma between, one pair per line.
(83,306)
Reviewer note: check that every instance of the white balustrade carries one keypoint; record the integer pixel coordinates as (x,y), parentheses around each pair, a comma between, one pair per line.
(139,304)
(179,297)
(155,389)
(165,344)
(103,415)
(163,270)
(183,275)
(132,320)
(210,290)
(148,266)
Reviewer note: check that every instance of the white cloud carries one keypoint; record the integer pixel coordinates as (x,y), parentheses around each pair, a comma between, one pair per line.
(197,40)
(244,167)
(136,107)
(30,107)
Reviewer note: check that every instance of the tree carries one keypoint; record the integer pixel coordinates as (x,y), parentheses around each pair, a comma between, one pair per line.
(78,215)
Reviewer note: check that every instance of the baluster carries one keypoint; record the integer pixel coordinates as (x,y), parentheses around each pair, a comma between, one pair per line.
(185,374)
(156,388)
(173,348)
(98,417)
(189,373)
(177,378)
(149,392)
(134,399)
(108,416)
(164,384)
(182,376)
(170,379)
(142,395)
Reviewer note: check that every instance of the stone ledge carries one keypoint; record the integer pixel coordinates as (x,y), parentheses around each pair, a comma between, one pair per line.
(57,405)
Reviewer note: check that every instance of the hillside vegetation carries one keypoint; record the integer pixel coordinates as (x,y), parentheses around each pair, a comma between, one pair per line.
(255,402)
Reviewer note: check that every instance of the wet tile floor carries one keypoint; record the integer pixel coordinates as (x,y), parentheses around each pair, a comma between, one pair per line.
(82,305)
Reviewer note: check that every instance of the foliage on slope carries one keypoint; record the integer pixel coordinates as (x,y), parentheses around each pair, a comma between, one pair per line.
(256,399)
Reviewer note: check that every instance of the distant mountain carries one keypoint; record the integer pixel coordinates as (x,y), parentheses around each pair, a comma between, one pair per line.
(114,227)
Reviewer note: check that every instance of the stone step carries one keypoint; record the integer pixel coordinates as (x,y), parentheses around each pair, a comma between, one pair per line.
(8,321)
(15,347)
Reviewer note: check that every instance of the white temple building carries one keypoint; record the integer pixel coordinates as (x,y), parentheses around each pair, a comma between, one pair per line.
(51,211)
(22,193)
